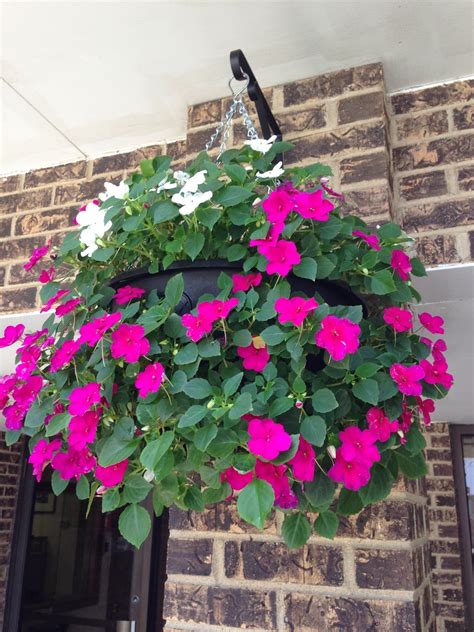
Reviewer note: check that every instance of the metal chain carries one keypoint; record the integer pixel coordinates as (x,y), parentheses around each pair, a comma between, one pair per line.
(225,125)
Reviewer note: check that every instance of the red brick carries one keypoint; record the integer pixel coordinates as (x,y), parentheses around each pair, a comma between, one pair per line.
(466,179)
(49,175)
(46,221)
(437,249)
(436,96)
(464,117)
(204,113)
(360,107)
(423,185)
(189,557)
(18,202)
(366,202)
(8,184)
(80,192)
(18,300)
(421,126)
(368,167)
(439,215)
(442,151)
(381,569)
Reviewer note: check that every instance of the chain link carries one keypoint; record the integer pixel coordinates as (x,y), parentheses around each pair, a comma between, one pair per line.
(224,127)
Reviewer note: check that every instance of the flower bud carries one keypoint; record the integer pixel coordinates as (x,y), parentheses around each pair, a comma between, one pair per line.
(400,433)
(298,403)
(210,404)
(332,451)
(325,180)
(257,201)
(149,475)
(145,428)
(365,271)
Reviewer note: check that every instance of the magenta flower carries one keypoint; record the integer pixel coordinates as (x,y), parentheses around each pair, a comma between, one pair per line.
(82,398)
(371,240)
(287,499)
(149,380)
(438,349)
(313,205)
(254,358)
(11,334)
(294,310)
(111,475)
(83,429)
(358,445)
(400,319)
(37,255)
(236,480)
(95,330)
(127,293)
(27,392)
(406,418)
(407,378)
(380,424)
(267,438)
(274,475)
(211,311)
(68,307)
(434,324)
(304,461)
(129,342)
(277,206)
(426,407)
(196,326)
(64,355)
(54,299)
(42,454)
(243,282)
(436,373)
(14,416)
(281,257)
(47,275)
(73,463)
(400,262)
(352,474)
(339,336)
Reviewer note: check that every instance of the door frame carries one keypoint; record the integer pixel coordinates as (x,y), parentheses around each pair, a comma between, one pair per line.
(457,433)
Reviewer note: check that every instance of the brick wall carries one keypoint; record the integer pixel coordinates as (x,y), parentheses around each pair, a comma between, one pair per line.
(408,156)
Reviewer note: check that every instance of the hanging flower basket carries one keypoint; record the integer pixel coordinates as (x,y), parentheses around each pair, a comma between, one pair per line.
(227,335)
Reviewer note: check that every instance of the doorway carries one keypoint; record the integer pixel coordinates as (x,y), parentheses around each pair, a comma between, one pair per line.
(72,573)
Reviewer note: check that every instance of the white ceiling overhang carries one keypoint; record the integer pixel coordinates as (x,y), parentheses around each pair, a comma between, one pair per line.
(91,78)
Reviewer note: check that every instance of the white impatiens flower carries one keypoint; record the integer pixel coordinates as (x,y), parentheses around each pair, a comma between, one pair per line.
(119,191)
(181,177)
(261,144)
(165,184)
(92,219)
(191,185)
(276,172)
(190,201)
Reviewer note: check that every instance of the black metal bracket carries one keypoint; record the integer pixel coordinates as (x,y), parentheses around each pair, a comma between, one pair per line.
(242,72)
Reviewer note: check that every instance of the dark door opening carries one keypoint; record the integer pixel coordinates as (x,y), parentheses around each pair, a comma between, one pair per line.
(70,573)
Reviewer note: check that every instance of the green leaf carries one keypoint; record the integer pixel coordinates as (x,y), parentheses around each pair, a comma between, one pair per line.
(198,388)
(231,385)
(313,429)
(307,269)
(280,406)
(110,500)
(319,491)
(193,499)
(273,335)
(242,405)
(382,283)
(415,440)
(325,267)
(146,167)
(236,173)
(212,496)
(204,436)
(295,530)
(324,401)
(367,391)
(102,254)
(134,524)
(192,416)
(236,252)
(232,195)
(155,450)
(167,490)
(225,442)
(326,524)
(209,348)
(187,354)
(242,338)
(389,231)
(194,244)
(58,485)
(174,290)
(82,488)
(367,369)
(349,502)
(387,387)
(379,486)
(115,450)
(208,216)
(417,267)
(412,465)
(255,503)
(57,423)
(136,489)
(164,211)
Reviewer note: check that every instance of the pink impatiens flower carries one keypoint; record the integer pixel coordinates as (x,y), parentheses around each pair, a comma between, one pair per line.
(42,454)
(27,392)
(294,310)
(127,293)
(339,336)
(68,307)
(73,463)
(94,331)
(304,461)
(235,479)
(255,357)
(426,407)
(400,262)
(371,240)
(14,416)
(213,311)
(11,334)
(37,255)
(196,326)
(243,282)
(400,319)
(149,380)
(434,324)
(54,299)
(129,342)
(313,205)
(277,206)
(380,424)
(47,275)
(407,378)
(275,475)
(64,355)
(358,445)
(352,474)
(111,475)
(267,438)
(82,398)
(281,255)
(83,429)
(437,373)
